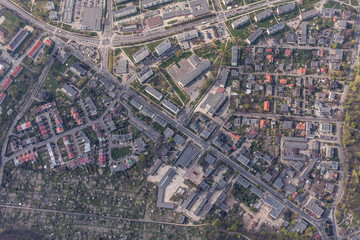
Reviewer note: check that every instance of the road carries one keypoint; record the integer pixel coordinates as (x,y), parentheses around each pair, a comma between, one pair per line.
(117,40)
(99,216)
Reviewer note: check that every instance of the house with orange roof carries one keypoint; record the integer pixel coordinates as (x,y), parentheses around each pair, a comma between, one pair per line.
(48,41)
(283,81)
(267,106)
(324,70)
(288,52)
(263,123)
(268,50)
(302,70)
(235,137)
(301,126)
(270,58)
(268,77)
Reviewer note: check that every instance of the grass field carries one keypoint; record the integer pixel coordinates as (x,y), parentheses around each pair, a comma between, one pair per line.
(11,24)
(151,46)
(117,153)
(175,59)
(131,50)
(55,70)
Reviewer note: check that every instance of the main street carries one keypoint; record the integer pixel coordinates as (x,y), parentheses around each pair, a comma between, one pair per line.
(116,40)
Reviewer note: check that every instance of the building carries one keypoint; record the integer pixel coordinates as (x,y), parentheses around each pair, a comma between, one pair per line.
(314,208)
(152,3)
(164,182)
(90,104)
(329,152)
(303,38)
(68,147)
(275,28)
(263,15)
(283,9)
(154,93)
(17,71)
(199,7)
(291,38)
(240,22)
(68,11)
(186,36)
(34,50)
(136,104)
(223,77)
(121,66)
(18,39)
(301,226)
(326,127)
(50,6)
(328,12)
(234,55)
(163,47)
(147,112)
(23,127)
(7,83)
(78,69)
(254,36)
(178,13)
(154,21)
(144,74)
(141,54)
(124,12)
(69,91)
(92,18)
(171,106)
(227,2)
(128,28)
(266,106)
(53,16)
(189,154)
(191,76)
(214,102)
(276,206)
(308,15)
(2,97)
(179,140)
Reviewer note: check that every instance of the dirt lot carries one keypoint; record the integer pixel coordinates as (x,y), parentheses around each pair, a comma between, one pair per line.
(256,220)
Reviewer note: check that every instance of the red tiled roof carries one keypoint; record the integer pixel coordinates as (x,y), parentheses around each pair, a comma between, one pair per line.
(16,72)
(288,52)
(263,123)
(266,106)
(268,78)
(283,81)
(48,41)
(7,83)
(35,48)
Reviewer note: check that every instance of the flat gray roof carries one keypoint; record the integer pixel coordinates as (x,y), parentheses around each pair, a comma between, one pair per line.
(188,155)
(92,18)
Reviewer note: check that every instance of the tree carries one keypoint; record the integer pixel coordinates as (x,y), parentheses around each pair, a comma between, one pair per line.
(59,78)
(179,53)
(141,157)
(14,93)
(217,223)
